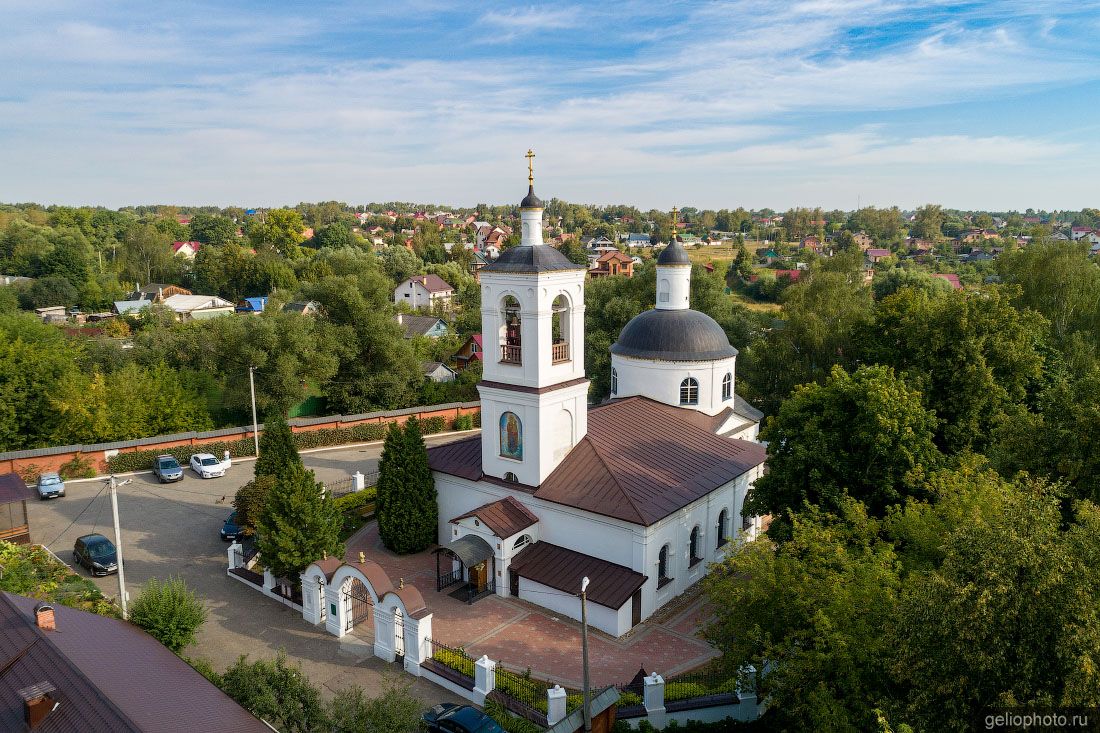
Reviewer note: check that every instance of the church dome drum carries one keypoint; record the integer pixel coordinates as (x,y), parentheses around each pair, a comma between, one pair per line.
(673,335)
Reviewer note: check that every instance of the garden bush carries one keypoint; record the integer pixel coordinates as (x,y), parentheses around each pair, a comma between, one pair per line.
(455,660)
(168,611)
(77,467)
(630,698)
(432,425)
(142,460)
(463,422)
(29,570)
(509,722)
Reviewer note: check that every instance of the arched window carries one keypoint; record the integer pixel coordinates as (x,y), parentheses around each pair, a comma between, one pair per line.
(614,381)
(559,330)
(723,520)
(662,291)
(510,342)
(689,391)
(693,547)
(727,386)
(522,542)
(511,478)
(662,568)
(746,522)
(511,436)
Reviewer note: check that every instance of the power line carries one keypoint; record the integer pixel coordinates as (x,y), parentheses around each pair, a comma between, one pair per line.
(78,516)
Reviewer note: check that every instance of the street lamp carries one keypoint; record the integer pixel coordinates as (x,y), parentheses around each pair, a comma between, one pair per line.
(584,651)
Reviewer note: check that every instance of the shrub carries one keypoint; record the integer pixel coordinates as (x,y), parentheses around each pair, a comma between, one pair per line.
(630,698)
(142,460)
(249,502)
(29,473)
(277,692)
(455,660)
(357,499)
(432,425)
(463,422)
(170,612)
(77,467)
(29,570)
(507,721)
(685,691)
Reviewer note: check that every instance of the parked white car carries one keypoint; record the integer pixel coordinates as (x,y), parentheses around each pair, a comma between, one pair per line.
(207,466)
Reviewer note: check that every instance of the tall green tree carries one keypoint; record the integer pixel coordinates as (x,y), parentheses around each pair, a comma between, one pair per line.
(928,223)
(278,453)
(278,692)
(1058,280)
(395,710)
(169,611)
(213,229)
(406,506)
(299,524)
(863,435)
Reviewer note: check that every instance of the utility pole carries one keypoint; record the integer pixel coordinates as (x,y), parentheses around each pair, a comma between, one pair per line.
(255,425)
(584,651)
(118,543)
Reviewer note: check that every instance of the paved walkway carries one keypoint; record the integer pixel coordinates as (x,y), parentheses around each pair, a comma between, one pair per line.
(522,635)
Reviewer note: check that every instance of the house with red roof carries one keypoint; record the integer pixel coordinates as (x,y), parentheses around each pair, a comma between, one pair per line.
(877,253)
(423,292)
(470,352)
(951,278)
(613,263)
(187,250)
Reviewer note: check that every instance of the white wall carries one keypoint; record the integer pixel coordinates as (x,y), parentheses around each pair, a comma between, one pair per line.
(603,618)
(660,380)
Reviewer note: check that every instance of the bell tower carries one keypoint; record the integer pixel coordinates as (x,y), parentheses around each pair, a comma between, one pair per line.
(534,394)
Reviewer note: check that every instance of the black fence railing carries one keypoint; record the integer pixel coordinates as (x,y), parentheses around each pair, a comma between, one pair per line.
(700,688)
(446,580)
(285,589)
(452,663)
(488,589)
(520,693)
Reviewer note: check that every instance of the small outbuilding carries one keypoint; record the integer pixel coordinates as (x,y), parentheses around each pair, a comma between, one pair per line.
(14,493)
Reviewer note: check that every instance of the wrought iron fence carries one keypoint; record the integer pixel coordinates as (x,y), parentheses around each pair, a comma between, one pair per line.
(446,580)
(521,694)
(451,662)
(476,593)
(703,683)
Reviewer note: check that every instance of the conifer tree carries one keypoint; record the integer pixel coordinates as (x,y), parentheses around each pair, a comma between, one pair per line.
(406,504)
(277,450)
(299,523)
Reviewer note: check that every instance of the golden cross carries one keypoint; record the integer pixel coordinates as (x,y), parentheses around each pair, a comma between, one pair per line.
(674,213)
(530,166)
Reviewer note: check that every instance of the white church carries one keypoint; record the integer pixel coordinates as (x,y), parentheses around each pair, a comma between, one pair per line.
(639,493)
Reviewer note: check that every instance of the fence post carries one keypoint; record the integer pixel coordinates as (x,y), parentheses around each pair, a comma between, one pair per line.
(358,481)
(654,698)
(233,551)
(485,675)
(555,704)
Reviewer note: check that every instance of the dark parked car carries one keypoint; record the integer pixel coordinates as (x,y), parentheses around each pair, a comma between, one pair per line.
(166,468)
(446,717)
(97,553)
(230,530)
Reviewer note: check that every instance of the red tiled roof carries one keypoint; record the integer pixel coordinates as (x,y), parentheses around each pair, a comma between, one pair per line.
(432,283)
(878,252)
(790,274)
(640,462)
(610,585)
(951,278)
(504,517)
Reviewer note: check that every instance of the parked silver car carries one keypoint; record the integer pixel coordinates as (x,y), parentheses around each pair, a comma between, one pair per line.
(50,485)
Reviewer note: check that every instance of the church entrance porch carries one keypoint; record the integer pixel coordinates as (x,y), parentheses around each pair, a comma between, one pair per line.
(469,563)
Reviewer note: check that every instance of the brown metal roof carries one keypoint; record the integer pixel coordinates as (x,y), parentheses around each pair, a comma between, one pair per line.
(640,462)
(610,585)
(505,517)
(13,489)
(109,675)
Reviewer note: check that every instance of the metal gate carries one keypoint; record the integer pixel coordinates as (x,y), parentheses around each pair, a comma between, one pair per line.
(358,603)
(399,634)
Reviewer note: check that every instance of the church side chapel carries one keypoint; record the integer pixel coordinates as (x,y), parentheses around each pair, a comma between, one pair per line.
(639,493)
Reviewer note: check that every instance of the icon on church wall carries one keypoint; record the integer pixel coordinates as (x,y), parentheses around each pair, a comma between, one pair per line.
(511,436)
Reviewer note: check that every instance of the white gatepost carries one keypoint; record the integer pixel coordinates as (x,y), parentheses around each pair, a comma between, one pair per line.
(234,548)
(555,705)
(418,632)
(485,675)
(654,698)
(383,635)
(336,618)
(311,591)
(358,481)
(269,582)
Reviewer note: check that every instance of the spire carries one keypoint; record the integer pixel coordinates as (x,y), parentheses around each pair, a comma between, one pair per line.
(530,168)
(530,201)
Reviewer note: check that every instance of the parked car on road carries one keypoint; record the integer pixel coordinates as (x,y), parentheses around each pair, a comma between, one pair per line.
(50,485)
(231,530)
(207,466)
(96,553)
(166,468)
(446,717)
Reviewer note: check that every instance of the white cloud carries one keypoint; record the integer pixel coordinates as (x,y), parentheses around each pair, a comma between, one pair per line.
(532,19)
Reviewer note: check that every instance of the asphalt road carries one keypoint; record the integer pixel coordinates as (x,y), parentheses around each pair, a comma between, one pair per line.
(172,530)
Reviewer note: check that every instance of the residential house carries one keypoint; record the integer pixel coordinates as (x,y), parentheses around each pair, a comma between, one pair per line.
(768,256)
(414,325)
(423,292)
(308,308)
(126,307)
(187,250)
(471,351)
(920,246)
(438,372)
(636,239)
(14,493)
(198,307)
(1076,233)
(792,275)
(252,305)
(811,244)
(977,235)
(949,277)
(157,292)
(72,670)
(863,240)
(874,255)
(12,279)
(52,314)
(613,263)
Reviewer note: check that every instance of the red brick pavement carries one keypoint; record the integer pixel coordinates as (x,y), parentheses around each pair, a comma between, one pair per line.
(521,635)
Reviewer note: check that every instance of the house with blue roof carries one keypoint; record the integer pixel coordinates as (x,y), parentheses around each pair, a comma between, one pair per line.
(252,305)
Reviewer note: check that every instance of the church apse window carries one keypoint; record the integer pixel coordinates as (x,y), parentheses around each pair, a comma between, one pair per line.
(727,386)
(723,522)
(662,568)
(689,391)
(511,343)
(511,436)
(560,326)
(614,382)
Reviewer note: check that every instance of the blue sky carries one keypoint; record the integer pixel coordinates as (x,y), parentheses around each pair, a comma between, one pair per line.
(714,104)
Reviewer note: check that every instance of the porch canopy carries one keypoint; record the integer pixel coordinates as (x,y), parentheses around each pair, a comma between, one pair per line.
(470,550)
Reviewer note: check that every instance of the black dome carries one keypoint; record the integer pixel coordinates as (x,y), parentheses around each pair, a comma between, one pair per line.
(531,258)
(673,254)
(673,335)
(531,201)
